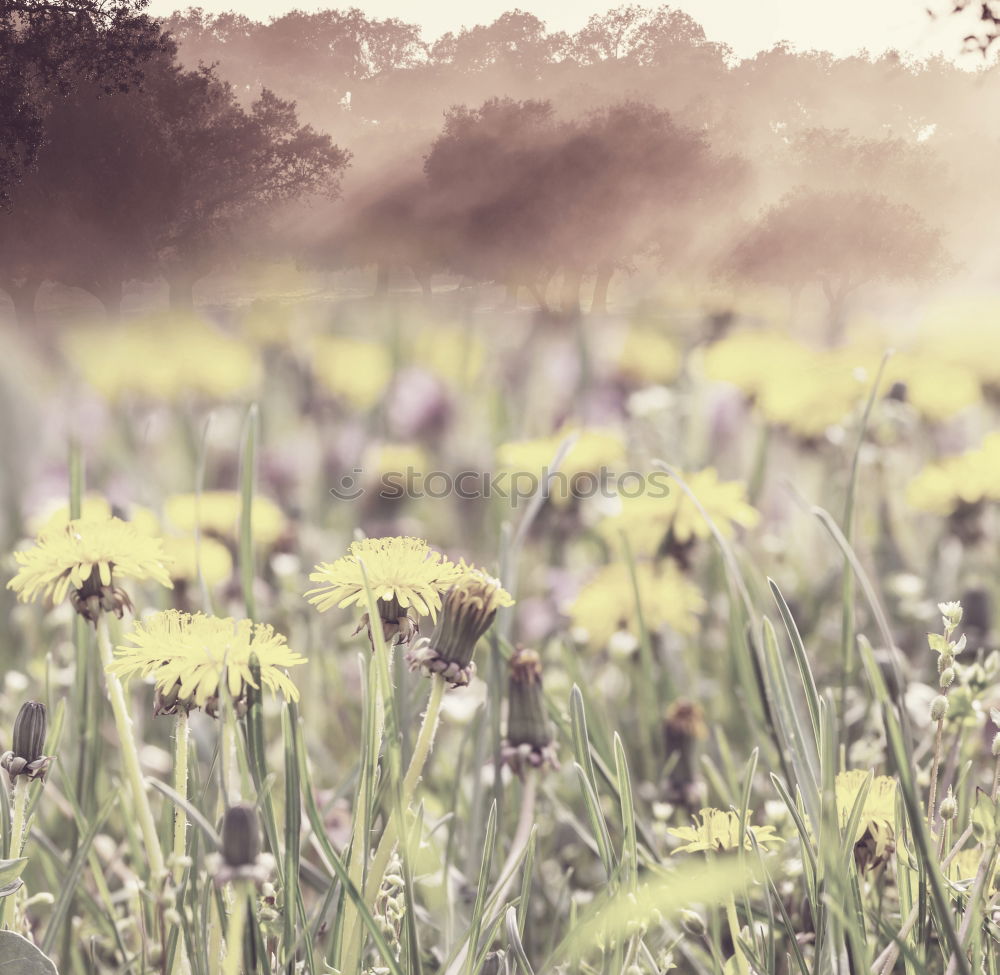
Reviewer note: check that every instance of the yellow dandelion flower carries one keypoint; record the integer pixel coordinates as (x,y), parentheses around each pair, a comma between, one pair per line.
(189,657)
(967,478)
(191,557)
(162,358)
(874,838)
(719,831)
(93,507)
(606,605)
(403,573)
(85,556)
(451,354)
(724,501)
(218,513)
(353,370)
(592,452)
(880,803)
(396,467)
(803,389)
(936,390)
(646,356)
(96,507)
(647,517)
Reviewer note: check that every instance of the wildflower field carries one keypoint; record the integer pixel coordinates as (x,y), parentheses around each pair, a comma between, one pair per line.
(433,636)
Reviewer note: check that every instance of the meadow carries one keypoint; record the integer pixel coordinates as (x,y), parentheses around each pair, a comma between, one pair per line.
(418,635)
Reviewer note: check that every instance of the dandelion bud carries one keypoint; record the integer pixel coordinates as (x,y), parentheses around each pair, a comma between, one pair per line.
(29,731)
(947,676)
(529,731)
(939,708)
(240,836)
(683,728)
(467,612)
(25,756)
(693,924)
(948,808)
(492,964)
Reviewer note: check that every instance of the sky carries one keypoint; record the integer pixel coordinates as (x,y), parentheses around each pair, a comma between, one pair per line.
(748,26)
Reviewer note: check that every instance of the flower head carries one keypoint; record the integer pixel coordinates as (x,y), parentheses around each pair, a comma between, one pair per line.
(874,838)
(354,371)
(720,831)
(470,605)
(607,605)
(190,657)
(194,558)
(402,573)
(218,513)
(591,454)
(660,514)
(164,358)
(82,558)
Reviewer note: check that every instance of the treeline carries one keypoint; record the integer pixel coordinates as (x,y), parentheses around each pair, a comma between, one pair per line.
(137,150)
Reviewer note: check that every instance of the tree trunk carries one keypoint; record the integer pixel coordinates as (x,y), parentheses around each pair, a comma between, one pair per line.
(836,311)
(109,294)
(599,302)
(570,301)
(538,287)
(424,278)
(382,279)
(181,291)
(23,297)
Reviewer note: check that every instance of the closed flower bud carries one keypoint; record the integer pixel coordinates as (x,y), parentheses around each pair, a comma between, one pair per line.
(467,612)
(947,676)
(28,740)
(939,708)
(528,721)
(693,924)
(529,731)
(683,729)
(949,807)
(240,836)
(995,749)
(29,731)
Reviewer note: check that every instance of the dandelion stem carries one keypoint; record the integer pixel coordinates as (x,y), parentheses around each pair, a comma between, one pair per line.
(387,842)
(130,758)
(234,931)
(421,751)
(16,842)
(734,932)
(181,744)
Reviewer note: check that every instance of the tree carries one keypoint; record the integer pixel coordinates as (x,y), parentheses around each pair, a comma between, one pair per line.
(170,179)
(232,169)
(840,241)
(641,33)
(47,47)
(490,173)
(515,40)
